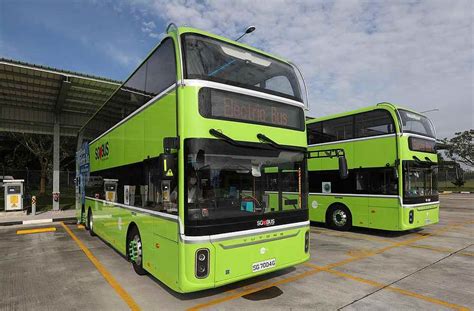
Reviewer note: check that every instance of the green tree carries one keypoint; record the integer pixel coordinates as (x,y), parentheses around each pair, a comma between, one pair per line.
(460,147)
(459,181)
(41,148)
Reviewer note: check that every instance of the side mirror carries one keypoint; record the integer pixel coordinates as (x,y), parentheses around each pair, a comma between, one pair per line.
(343,171)
(170,143)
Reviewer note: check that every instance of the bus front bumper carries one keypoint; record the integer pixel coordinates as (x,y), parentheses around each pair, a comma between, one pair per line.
(420,216)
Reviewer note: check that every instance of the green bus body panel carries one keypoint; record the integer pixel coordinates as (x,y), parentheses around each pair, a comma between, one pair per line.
(159,237)
(139,137)
(375,152)
(377,212)
(231,260)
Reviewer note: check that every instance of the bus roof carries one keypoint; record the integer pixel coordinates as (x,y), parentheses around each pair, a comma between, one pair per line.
(182,30)
(185,29)
(384,105)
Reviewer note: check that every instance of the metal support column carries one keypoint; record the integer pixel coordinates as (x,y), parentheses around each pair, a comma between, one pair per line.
(56,148)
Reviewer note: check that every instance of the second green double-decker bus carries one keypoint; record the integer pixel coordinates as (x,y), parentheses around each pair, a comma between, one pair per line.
(391,182)
(184,169)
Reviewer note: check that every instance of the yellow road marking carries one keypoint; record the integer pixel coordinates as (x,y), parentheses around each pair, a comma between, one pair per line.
(352,236)
(357,253)
(395,289)
(105,273)
(39,230)
(336,264)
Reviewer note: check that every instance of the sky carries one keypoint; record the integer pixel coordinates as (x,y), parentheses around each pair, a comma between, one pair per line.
(416,53)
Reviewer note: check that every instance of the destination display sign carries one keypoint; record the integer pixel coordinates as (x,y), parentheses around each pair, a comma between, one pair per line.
(225,105)
(422,145)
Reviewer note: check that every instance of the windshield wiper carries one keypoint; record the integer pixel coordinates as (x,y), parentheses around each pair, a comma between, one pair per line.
(263,137)
(222,136)
(215,71)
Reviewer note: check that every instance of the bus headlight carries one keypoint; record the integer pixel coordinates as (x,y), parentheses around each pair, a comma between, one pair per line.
(306,242)
(410,216)
(202,263)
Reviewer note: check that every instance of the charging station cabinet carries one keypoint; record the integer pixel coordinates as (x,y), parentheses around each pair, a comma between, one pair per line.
(13,194)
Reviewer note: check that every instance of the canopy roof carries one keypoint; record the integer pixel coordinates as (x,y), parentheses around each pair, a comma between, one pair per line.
(32,96)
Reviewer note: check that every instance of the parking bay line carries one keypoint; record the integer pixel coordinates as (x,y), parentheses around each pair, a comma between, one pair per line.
(351,236)
(38,230)
(391,288)
(336,264)
(357,237)
(105,273)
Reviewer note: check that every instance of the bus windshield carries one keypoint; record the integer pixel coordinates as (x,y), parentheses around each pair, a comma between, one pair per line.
(211,59)
(420,182)
(416,123)
(227,181)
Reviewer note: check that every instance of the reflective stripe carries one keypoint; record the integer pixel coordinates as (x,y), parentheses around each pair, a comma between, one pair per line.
(417,135)
(138,209)
(240,234)
(420,204)
(259,242)
(356,195)
(240,90)
(350,140)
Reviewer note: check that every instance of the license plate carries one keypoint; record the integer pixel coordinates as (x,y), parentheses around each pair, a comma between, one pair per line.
(263,265)
(427,221)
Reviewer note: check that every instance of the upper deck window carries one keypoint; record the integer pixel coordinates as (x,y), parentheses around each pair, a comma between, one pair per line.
(366,124)
(214,60)
(416,123)
(155,74)
(373,123)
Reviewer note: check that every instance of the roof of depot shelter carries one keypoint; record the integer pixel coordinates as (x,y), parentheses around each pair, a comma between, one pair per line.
(32,96)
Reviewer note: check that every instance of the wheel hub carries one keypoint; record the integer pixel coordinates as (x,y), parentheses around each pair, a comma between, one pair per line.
(339,218)
(135,250)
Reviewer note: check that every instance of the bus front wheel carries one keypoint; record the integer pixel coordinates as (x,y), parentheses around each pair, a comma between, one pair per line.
(135,251)
(339,217)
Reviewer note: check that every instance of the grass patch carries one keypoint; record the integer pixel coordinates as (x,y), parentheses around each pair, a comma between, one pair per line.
(448,186)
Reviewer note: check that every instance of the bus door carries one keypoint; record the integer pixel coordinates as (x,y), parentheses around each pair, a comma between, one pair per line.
(383,202)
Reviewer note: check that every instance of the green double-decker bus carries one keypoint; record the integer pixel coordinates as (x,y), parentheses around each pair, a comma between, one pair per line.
(391,178)
(195,168)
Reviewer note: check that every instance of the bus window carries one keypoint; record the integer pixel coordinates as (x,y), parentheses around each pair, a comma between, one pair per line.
(416,123)
(161,68)
(229,186)
(278,83)
(211,59)
(373,123)
(338,129)
(315,133)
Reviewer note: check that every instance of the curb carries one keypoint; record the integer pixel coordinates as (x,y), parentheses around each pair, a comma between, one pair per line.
(456,192)
(35,221)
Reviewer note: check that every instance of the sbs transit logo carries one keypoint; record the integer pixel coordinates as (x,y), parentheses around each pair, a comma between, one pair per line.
(265,222)
(102,152)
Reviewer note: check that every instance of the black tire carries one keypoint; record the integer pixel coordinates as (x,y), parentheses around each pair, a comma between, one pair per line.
(134,238)
(339,217)
(90,223)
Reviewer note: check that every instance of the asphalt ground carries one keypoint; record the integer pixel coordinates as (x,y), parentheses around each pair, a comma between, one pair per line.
(61,267)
